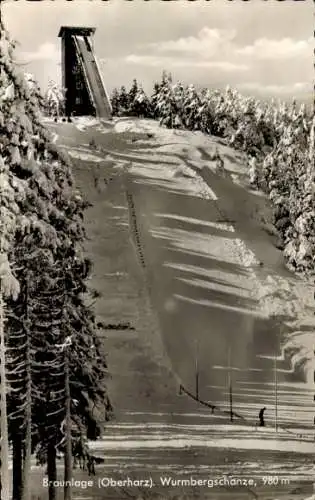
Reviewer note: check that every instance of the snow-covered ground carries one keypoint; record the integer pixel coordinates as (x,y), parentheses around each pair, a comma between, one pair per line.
(84,154)
(181,436)
(191,144)
(179,179)
(191,449)
(293,296)
(158,163)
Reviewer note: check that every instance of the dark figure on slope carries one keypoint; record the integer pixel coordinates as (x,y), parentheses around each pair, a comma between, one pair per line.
(261,417)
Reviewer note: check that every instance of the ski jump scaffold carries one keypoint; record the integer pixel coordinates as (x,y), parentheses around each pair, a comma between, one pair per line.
(81,77)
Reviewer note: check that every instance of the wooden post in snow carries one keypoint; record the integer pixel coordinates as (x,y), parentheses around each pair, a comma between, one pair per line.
(230,384)
(197,369)
(276,392)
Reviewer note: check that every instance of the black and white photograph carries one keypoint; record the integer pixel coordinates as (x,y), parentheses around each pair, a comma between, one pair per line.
(157,250)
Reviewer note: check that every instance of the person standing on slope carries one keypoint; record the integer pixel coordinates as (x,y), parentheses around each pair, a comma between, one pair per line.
(261,417)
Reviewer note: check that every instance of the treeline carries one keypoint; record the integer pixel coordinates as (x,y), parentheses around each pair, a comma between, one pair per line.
(132,103)
(278,139)
(53,368)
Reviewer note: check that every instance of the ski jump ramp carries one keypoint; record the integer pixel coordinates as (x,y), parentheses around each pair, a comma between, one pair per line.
(81,77)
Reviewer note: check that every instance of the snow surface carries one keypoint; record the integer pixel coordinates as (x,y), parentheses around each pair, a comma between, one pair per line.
(199,222)
(178,142)
(181,179)
(82,122)
(292,297)
(158,435)
(81,155)
(179,442)
(278,295)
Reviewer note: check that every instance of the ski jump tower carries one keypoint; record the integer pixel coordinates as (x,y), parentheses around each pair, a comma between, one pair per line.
(81,77)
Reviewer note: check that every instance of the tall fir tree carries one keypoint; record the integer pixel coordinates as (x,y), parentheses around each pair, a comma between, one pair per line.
(42,235)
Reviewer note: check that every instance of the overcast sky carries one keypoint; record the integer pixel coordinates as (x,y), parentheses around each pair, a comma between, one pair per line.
(260,47)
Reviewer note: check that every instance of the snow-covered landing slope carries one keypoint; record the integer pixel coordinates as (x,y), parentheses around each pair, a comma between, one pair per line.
(278,294)
(155,160)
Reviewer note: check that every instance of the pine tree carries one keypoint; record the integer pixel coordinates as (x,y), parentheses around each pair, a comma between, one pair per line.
(54,100)
(9,286)
(131,98)
(123,100)
(5,276)
(141,106)
(115,102)
(42,235)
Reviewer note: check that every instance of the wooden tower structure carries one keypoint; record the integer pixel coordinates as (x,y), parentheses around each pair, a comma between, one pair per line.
(81,77)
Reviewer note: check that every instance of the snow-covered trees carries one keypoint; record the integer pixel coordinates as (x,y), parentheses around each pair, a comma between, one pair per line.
(43,310)
(54,100)
(292,187)
(132,103)
(115,102)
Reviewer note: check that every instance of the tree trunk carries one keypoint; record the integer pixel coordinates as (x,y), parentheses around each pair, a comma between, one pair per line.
(68,444)
(5,475)
(28,435)
(17,467)
(51,469)
(28,412)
